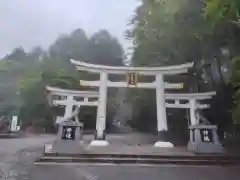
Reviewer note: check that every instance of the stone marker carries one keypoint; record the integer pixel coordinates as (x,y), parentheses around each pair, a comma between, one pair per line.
(68,138)
(204,139)
(48,148)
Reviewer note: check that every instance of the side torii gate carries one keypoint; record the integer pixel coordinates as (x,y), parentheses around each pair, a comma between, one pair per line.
(132,72)
(71,98)
(190,101)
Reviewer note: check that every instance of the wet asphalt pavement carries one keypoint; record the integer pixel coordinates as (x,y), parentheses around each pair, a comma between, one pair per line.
(17,158)
(17,155)
(128,172)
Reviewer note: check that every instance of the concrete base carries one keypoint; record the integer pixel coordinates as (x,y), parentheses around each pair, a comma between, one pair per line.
(163,144)
(204,139)
(67,146)
(205,148)
(163,140)
(103,137)
(99,143)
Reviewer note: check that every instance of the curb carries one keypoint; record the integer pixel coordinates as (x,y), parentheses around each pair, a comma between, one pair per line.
(198,160)
(146,156)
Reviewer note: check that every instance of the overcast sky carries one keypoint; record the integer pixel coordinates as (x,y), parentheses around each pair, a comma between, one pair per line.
(28,23)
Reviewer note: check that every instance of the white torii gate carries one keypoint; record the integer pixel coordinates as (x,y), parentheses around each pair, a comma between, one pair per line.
(69,99)
(158,84)
(193,102)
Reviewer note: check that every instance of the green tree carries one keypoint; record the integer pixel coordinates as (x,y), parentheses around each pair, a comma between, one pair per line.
(175,32)
(223,16)
(218,11)
(24,75)
(105,49)
(168,32)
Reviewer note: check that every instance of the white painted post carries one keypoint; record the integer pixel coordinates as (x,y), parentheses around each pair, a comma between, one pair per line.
(101,112)
(69,106)
(161,107)
(14,123)
(77,113)
(193,107)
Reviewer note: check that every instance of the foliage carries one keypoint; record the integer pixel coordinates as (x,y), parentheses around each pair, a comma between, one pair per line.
(167,32)
(26,74)
(175,32)
(220,14)
(235,81)
(218,11)
(164,33)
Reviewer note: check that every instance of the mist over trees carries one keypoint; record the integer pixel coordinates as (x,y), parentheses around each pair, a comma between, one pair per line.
(24,75)
(163,32)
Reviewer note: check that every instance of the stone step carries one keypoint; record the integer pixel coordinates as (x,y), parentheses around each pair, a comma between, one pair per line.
(147,161)
(213,157)
(9,135)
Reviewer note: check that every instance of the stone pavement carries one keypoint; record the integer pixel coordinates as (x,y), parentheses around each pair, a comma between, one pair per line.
(130,143)
(127,139)
(137,149)
(17,158)
(120,144)
(129,172)
(17,155)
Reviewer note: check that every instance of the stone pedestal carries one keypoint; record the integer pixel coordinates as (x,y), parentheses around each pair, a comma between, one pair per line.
(99,141)
(103,137)
(204,139)
(163,140)
(68,138)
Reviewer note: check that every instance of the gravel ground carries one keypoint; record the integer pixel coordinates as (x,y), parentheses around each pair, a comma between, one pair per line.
(18,155)
(16,167)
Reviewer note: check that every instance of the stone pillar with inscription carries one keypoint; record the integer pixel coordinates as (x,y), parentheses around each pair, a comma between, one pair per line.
(68,138)
(204,139)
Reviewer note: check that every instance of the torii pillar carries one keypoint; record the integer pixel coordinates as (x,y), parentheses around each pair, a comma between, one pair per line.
(101,112)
